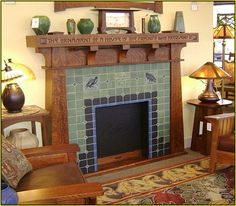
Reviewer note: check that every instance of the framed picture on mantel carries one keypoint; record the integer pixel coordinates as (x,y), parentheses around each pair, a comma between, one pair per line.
(116,21)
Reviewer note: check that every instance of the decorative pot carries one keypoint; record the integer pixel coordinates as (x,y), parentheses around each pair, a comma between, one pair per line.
(70,25)
(179,22)
(85,26)
(13,98)
(154,25)
(23,138)
(40,24)
(9,195)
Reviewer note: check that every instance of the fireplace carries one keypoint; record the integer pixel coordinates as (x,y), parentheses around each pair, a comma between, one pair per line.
(137,89)
(103,67)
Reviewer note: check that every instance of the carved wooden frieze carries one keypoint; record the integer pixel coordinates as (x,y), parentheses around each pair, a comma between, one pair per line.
(41,41)
(156,6)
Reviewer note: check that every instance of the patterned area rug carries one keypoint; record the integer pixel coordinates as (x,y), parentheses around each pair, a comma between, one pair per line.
(188,183)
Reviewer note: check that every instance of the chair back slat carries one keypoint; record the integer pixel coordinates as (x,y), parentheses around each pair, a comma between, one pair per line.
(226,126)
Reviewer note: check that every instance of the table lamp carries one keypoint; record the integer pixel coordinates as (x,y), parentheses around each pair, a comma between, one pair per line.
(209,71)
(13,97)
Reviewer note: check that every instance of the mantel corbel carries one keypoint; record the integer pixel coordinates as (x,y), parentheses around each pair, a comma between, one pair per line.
(123,53)
(152,51)
(47,53)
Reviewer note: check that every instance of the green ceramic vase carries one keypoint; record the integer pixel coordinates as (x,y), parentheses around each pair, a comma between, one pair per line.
(85,26)
(154,25)
(179,22)
(40,24)
(71,25)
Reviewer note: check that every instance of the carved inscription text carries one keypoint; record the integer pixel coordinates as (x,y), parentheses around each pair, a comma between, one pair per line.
(107,39)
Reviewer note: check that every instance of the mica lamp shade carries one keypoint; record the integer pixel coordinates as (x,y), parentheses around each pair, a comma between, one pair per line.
(209,71)
(223,32)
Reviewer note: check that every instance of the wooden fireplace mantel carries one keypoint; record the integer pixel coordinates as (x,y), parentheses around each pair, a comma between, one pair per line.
(63,52)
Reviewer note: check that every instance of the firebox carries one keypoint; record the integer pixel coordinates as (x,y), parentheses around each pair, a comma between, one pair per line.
(122,128)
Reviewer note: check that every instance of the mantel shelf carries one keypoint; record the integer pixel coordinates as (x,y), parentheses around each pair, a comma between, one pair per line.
(79,40)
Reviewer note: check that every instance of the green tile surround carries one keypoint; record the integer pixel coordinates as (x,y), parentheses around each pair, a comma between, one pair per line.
(107,81)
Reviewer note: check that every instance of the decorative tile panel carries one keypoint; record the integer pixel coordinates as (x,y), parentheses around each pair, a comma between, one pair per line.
(89,88)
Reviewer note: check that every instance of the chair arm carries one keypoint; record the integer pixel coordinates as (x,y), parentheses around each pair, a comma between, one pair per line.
(60,194)
(222,125)
(53,154)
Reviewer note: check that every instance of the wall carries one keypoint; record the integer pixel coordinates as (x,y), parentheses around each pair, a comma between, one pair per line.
(16,20)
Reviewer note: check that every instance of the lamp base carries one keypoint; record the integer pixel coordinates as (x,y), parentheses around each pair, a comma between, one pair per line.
(209,95)
(13,98)
(208,98)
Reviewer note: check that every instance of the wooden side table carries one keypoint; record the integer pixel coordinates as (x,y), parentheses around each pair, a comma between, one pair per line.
(30,113)
(201,142)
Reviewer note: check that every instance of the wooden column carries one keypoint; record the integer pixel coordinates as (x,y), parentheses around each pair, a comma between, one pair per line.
(56,103)
(176,111)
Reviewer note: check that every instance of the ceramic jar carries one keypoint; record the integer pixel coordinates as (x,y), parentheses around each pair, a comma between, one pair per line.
(70,25)
(154,25)
(85,26)
(13,98)
(179,22)
(40,24)
(9,195)
(23,138)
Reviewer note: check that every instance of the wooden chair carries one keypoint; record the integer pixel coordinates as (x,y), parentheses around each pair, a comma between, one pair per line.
(56,178)
(222,139)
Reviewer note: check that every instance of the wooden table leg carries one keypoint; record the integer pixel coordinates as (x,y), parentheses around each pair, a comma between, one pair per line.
(207,135)
(45,133)
(33,126)
(195,134)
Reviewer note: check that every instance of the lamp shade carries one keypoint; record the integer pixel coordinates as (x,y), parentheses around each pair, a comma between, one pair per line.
(223,32)
(16,71)
(209,71)
(8,74)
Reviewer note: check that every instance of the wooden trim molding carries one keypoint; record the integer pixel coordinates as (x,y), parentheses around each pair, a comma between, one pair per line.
(156,6)
(63,52)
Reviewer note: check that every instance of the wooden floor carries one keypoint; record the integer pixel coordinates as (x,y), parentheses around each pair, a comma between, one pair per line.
(135,169)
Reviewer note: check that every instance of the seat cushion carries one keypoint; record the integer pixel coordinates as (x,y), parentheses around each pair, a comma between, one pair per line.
(55,175)
(227,143)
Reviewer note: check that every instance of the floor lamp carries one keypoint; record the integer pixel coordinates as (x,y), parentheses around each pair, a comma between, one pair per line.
(223,31)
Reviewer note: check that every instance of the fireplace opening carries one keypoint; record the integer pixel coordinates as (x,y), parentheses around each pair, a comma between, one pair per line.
(122,134)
